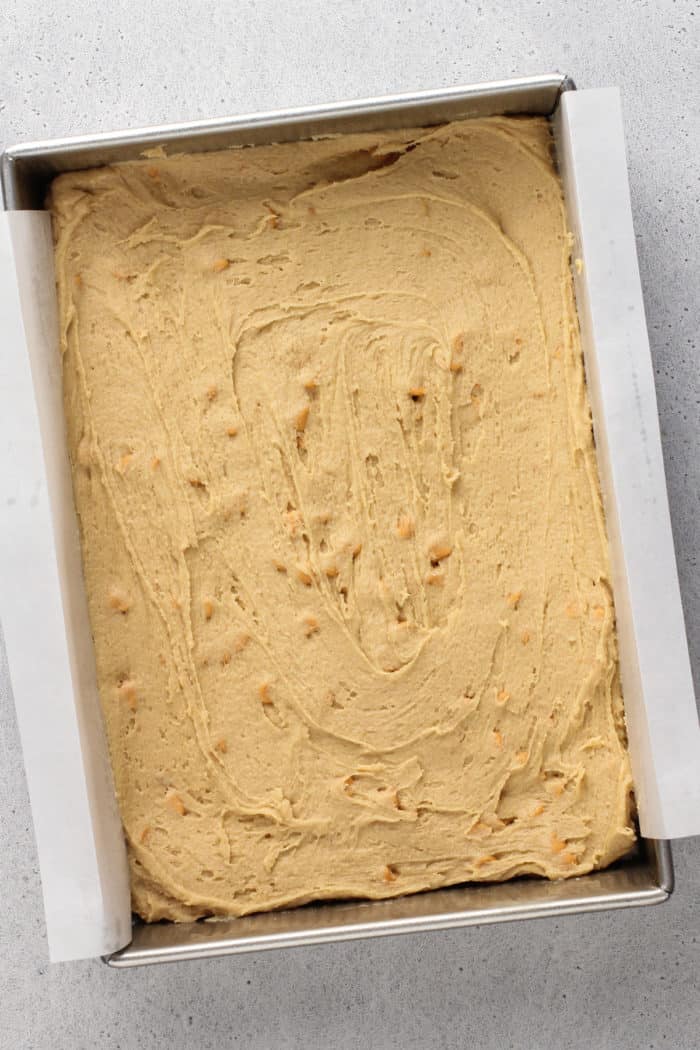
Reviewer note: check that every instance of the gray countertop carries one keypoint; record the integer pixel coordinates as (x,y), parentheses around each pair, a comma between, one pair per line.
(618,979)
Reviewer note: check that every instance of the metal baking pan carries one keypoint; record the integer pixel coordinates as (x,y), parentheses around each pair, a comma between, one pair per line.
(27,169)
(644,877)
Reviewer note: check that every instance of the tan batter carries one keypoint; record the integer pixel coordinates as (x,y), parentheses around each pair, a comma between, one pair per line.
(341,524)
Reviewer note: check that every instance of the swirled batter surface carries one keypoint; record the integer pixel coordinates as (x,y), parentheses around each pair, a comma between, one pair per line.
(342,531)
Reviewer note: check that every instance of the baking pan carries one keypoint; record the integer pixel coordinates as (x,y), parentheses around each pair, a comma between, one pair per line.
(644,877)
(27,169)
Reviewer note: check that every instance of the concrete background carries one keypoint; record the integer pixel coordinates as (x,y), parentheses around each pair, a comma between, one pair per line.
(619,980)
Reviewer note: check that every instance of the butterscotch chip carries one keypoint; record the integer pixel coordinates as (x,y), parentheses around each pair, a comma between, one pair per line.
(416,392)
(174,802)
(232,431)
(219,265)
(557,844)
(293,521)
(513,599)
(390,873)
(301,419)
(118,600)
(221,745)
(481,828)
(127,692)
(264,694)
(311,625)
(304,575)
(439,551)
(457,350)
(498,739)
(405,527)
(124,462)
(435,579)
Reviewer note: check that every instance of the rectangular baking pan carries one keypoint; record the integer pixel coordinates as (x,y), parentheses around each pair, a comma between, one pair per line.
(646,876)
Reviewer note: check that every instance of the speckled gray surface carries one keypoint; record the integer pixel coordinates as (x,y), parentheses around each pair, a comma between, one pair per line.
(618,980)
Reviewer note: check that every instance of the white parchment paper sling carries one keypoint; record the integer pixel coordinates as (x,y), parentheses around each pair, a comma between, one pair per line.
(662,719)
(82,856)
